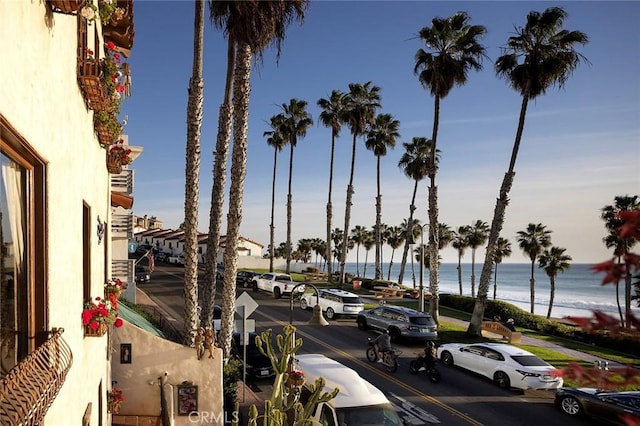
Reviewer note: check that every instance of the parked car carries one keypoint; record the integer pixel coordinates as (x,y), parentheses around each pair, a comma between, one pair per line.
(399,321)
(162,256)
(333,302)
(244,278)
(508,366)
(606,407)
(176,259)
(142,275)
(258,365)
(275,283)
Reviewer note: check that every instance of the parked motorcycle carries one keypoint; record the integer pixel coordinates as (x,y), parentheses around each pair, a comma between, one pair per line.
(425,364)
(389,358)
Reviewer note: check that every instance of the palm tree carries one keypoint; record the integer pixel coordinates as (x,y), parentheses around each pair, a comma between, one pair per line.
(368,243)
(476,237)
(192,177)
(275,140)
(547,57)
(360,105)
(395,239)
(454,50)
(294,126)
(381,136)
(533,241)
(553,261)
(414,164)
(264,23)
(337,237)
(358,234)
(503,249)
(331,116)
(621,246)
(460,243)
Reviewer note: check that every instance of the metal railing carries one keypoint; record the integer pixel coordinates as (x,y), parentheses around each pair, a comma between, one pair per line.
(29,389)
(123,181)
(123,270)
(122,226)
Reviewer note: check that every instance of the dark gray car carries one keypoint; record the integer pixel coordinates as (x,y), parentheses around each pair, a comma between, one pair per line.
(399,321)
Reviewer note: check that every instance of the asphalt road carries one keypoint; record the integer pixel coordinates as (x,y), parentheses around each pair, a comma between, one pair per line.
(460,398)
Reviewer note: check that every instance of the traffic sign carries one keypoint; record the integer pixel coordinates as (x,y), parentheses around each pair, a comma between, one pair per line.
(248,302)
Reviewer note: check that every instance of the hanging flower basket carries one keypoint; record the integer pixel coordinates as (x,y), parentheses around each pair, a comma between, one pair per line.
(65,6)
(114,399)
(96,332)
(90,78)
(114,164)
(107,127)
(295,379)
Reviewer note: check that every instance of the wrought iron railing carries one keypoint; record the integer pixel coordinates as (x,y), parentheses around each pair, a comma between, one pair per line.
(123,270)
(28,390)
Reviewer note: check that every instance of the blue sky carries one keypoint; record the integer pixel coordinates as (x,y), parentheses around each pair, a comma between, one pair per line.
(580,147)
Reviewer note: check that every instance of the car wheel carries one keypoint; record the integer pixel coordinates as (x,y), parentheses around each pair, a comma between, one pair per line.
(446,358)
(303,304)
(362,323)
(330,314)
(277,294)
(394,333)
(502,380)
(571,406)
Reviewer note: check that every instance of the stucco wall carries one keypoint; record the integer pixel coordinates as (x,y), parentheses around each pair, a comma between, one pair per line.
(151,357)
(40,97)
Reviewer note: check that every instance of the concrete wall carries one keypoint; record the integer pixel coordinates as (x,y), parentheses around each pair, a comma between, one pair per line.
(151,357)
(41,99)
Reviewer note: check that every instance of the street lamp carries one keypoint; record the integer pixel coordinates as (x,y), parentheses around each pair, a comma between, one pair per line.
(421,302)
(317,318)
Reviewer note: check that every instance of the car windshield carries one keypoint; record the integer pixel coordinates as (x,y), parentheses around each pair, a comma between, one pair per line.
(378,415)
(421,321)
(529,360)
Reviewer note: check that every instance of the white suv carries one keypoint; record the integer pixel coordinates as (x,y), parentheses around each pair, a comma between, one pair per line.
(333,302)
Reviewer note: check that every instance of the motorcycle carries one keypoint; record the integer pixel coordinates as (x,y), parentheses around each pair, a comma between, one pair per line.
(389,358)
(421,364)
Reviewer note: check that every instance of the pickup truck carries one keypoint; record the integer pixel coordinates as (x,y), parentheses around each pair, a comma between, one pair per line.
(275,283)
(176,259)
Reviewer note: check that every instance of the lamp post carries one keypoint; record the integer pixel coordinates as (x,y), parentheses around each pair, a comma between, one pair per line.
(317,318)
(421,302)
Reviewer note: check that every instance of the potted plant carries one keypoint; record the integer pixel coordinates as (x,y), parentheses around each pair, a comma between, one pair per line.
(118,156)
(113,288)
(101,80)
(99,314)
(106,9)
(107,127)
(114,399)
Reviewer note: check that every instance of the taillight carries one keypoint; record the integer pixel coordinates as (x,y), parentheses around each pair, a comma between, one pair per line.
(528,373)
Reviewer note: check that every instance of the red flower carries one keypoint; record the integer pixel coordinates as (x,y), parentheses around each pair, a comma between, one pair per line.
(94,325)
(118,323)
(110,45)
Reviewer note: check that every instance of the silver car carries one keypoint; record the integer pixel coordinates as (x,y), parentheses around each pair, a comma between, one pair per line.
(399,321)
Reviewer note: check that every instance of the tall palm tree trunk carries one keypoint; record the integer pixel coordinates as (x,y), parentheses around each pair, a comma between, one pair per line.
(330,208)
(192,176)
(552,293)
(347,213)
(475,325)
(378,274)
(358,259)
(272,227)
(495,281)
(241,94)
(225,115)
(532,286)
(289,198)
(473,272)
(407,241)
(434,302)
(460,272)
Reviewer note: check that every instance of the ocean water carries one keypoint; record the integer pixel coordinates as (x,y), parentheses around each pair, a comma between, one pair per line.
(579,291)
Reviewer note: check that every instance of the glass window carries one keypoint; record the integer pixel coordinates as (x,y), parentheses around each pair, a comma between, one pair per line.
(23,324)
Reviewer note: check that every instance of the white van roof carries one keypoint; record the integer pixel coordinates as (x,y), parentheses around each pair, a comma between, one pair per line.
(354,390)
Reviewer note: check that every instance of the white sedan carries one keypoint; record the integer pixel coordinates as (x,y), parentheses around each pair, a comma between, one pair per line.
(508,366)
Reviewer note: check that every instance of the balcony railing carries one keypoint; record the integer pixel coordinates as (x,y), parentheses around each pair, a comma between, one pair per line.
(29,389)
(122,226)
(123,270)
(123,182)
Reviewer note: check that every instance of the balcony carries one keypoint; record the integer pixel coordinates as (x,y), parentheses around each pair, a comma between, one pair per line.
(123,270)
(122,226)
(123,182)
(29,389)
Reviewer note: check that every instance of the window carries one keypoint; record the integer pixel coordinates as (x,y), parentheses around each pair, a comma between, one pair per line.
(23,322)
